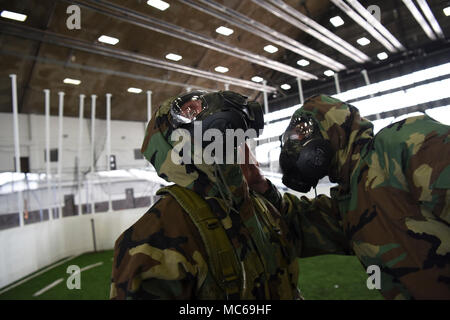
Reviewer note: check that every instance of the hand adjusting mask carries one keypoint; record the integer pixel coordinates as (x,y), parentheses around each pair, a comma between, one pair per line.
(217,110)
(305,155)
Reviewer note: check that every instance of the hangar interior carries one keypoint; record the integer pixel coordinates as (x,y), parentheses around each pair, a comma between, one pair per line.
(79,80)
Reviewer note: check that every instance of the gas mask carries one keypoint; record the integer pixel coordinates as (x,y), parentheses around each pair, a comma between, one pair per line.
(217,110)
(305,155)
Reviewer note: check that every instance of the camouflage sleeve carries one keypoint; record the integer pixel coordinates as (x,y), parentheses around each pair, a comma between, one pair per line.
(159,257)
(427,169)
(314,224)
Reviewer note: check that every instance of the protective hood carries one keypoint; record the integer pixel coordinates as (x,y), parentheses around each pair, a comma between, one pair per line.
(222,181)
(347,132)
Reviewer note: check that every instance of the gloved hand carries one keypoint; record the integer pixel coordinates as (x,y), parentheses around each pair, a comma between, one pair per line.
(251,171)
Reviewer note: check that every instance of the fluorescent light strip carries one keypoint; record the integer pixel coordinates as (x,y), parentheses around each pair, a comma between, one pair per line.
(382,56)
(433,91)
(109,40)
(431,18)
(446,11)
(337,21)
(221,69)
(174,57)
(257,79)
(270,48)
(303,62)
(363,41)
(395,83)
(386,85)
(158,4)
(224,31)
(13,15)
(374,22)
(402,99)
(134,90)
(72,81)
(419,18)
(441,114)
(363,23)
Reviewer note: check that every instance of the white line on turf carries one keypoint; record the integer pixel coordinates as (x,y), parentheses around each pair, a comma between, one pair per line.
(56,282)
(37,274)
(91,266)
(51,285)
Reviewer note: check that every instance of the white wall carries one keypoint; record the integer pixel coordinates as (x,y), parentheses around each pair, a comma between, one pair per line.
(26,249)
(125,137)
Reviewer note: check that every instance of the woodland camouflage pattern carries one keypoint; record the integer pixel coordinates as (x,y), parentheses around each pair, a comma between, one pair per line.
(393,196)
(162,255)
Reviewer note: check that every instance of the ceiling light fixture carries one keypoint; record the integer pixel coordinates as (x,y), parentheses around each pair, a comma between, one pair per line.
(173,57)
(329,73)
(270,48)
(363,41)
(72,81)
(337,21)
(382,56)
(257,79)
(221,69)
(158,4)
(13,15)
(224,31)
(447,11)
(285,86)
(134,90)
(109,40)
(303,62)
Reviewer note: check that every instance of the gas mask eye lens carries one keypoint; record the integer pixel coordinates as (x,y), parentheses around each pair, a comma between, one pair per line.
(298,130)
(186,108)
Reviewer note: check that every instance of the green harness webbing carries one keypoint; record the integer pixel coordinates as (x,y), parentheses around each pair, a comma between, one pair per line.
(223,261)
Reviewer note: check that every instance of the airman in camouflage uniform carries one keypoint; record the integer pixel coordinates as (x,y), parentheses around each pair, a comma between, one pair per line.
(162,255)
(392,196)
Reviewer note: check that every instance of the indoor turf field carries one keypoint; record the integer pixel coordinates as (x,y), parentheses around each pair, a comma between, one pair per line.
(327,277)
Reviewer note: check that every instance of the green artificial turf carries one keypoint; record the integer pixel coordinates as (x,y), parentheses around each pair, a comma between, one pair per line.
(318,279)
(334,277)
(95,282)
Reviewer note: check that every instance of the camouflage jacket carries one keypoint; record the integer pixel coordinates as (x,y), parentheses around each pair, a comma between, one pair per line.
(162,255)
(393,196)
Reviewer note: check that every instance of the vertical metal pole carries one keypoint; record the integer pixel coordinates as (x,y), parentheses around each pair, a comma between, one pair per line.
(16,142)
(92,193)
(108,145)
(47,151)
(266,100)
(60,151)
(93,98)
(149,106)
(227,86)
(300,91)
(80,141)
(336,82)
(366,77)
